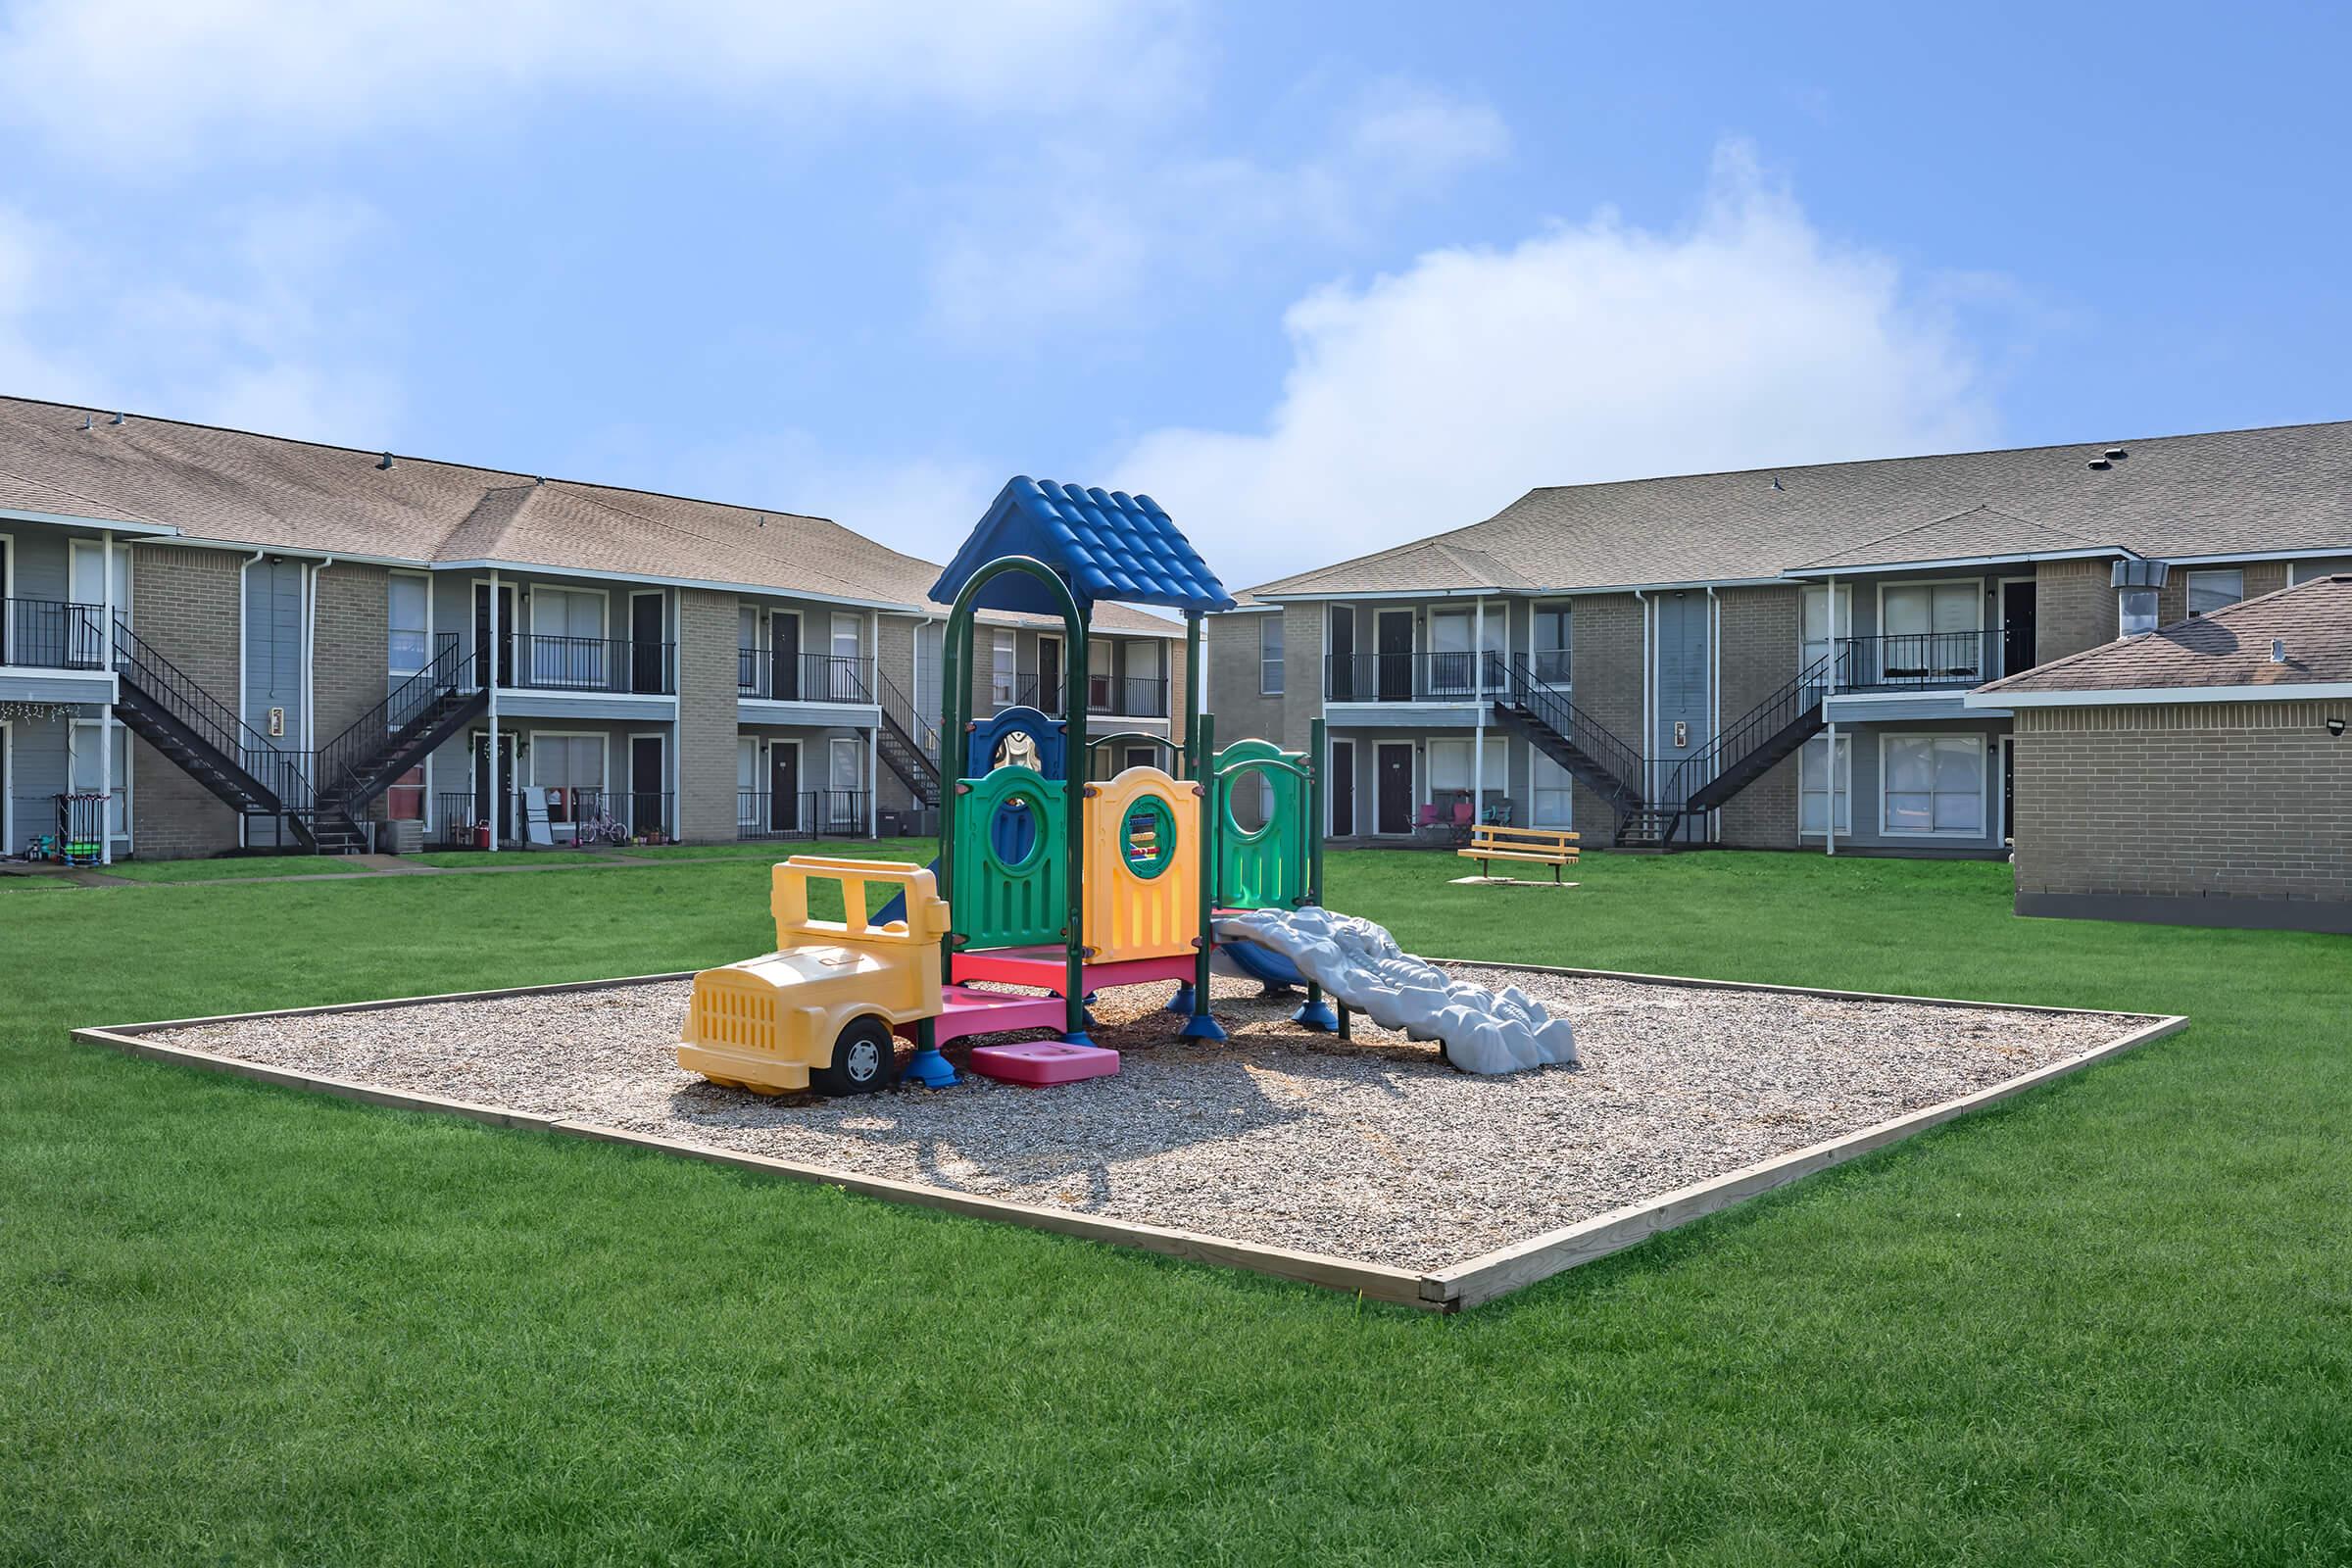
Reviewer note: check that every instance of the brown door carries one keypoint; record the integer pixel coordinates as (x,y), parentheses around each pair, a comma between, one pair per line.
(784,658)
(1049,674)
(646,815)
(783,788)
(1393,630)
(1394,787)
(1343,789)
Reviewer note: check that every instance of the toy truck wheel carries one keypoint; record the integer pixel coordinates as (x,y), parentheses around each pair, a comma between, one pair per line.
(865,1058)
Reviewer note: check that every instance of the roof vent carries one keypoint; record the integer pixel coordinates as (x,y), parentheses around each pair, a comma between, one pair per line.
(90,423)
(2115,453)
(385,462)
(2278,651)
(2099,462)
(118,419)
(1776,482)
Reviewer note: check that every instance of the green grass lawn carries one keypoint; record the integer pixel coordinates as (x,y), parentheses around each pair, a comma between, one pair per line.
(2110,1322)
(235,867)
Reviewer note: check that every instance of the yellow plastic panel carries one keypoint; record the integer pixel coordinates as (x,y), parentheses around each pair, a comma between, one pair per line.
(1143,866)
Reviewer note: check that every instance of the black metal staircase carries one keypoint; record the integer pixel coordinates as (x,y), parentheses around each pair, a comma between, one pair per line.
(1568,735)
(389,739)
(1750,747)
(909,745)
(203,736)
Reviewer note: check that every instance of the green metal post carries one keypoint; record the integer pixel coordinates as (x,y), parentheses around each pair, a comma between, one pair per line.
(1073,1029)
(1195,760)
(1201,738)
(1316,755)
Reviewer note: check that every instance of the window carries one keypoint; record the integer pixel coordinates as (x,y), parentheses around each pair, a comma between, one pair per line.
(1452,668)
(2209,591)
(1101,675)
(999,671)
(1269,654)
(845,685)
(1813,785)
(747,652)
(843,809)
(1449,772)
(1818,621)
(1551,647)
(82,768)
(405,651)
(1929,631)
(1140,757)
(1554,803)
(1932,784)
(568,777)
(567,639)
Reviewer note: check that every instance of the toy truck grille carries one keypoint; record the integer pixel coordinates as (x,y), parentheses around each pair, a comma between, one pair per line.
(732,1011)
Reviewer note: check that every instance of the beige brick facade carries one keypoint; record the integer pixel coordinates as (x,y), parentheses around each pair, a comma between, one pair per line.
(706,709)
(2074,608)
(2225,804)
(1761,637)
(1606,669)
(186,607)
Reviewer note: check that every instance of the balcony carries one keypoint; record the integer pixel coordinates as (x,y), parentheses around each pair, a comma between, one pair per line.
(545,817)
(1447,677)
(1939,660)
(52,635)
(1113,696)
(604,665)
(765,676)
(808,815)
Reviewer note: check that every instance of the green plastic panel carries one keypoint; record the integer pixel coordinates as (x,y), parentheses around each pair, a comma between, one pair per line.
(1265,868)
(997,903)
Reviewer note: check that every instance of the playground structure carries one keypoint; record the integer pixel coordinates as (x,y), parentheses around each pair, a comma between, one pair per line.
(1138,880)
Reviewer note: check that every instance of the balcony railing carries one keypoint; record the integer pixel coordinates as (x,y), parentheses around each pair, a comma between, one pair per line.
(541,816)
(1119,695)
(609,666)
(52,635)
(801,677)
(1447,677)
(1128,696)
(806,814)
(1920,660)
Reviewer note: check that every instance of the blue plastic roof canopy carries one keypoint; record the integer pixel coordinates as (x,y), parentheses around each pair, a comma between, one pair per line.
(1106,545)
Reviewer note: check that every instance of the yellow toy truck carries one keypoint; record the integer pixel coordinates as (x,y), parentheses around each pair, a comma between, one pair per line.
(821,1011)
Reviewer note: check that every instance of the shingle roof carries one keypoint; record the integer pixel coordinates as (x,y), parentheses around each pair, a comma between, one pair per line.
(2289,487)
(1978,531)
(270,492)
(2232,647)
(1106,544)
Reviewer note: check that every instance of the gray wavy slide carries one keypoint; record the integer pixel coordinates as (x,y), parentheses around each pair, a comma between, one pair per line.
(1361,966)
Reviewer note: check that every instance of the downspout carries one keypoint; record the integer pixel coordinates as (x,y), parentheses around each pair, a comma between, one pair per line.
(1829,815)
(310,678)
(1714,695)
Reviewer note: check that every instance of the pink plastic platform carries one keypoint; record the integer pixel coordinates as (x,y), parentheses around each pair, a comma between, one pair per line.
(965,1012)
(1045,1061)
(1045,967)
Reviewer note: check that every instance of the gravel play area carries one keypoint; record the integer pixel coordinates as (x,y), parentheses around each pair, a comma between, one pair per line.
(1372,1151)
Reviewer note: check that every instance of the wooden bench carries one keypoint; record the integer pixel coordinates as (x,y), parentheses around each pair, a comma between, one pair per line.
(1544,845)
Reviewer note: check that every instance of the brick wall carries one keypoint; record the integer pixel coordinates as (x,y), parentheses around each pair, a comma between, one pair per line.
(1304,628)
(2074,608)
(2172,600)
(349,669)
(1241,710)
(707,692)
(2235,799)
(185,606)
(1605,633)
(1761,636)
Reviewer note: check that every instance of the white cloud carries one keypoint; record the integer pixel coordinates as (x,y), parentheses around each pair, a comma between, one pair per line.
(234,333)
(1432,397)
(1084,234)
(167,80)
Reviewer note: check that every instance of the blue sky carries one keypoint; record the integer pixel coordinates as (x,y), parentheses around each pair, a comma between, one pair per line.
(1318,279)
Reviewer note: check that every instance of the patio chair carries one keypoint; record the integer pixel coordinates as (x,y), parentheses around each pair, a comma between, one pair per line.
(1462,814)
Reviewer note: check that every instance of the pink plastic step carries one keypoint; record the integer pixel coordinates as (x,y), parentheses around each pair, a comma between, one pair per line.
(1045,1061)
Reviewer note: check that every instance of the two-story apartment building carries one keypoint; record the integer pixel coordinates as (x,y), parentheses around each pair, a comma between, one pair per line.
(224,640)
(1771,658)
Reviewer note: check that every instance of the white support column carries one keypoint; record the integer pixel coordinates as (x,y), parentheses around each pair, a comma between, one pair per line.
(490,679)
(1478,687)
(1828,821)
(106,720)
(873,731)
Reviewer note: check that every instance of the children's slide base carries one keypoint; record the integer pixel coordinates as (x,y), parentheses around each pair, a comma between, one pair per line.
(1044,1062)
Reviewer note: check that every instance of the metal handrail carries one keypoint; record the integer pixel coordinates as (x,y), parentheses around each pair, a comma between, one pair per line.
(898,708)
(52,635)
(1516,682)
(807,677)
(280,773)
(343,763)
(613,666)
(1906,661)
(1776,712)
